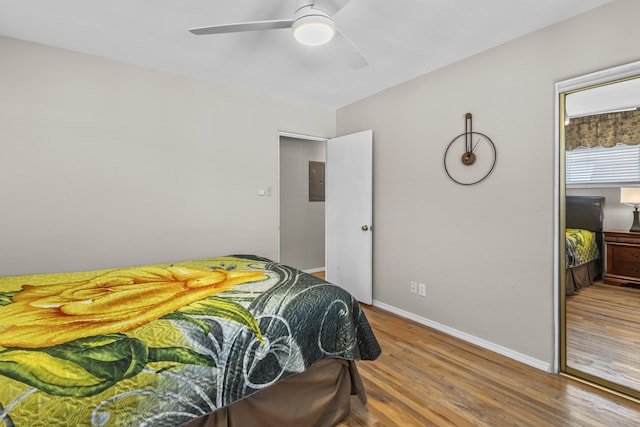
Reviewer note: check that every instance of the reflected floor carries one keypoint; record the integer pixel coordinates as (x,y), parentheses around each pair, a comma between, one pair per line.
(603,333)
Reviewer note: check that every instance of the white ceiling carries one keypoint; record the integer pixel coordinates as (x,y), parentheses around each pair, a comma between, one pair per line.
(401,39)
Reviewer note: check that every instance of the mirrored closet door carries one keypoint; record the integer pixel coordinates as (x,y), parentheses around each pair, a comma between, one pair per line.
(599,128)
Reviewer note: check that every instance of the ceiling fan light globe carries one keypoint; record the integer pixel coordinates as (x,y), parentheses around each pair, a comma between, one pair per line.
(313,30)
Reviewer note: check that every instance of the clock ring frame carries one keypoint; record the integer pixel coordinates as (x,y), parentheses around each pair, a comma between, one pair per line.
(494,154)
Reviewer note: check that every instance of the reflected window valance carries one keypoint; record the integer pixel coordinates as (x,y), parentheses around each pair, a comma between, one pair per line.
(605,130)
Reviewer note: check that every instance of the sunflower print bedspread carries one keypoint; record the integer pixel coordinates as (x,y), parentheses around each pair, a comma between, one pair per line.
(162,345)
(581,247)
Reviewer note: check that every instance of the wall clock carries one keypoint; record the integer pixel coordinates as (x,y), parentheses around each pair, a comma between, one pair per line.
(470,157)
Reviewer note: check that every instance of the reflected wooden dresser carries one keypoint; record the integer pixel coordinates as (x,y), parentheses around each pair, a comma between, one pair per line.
(623,257)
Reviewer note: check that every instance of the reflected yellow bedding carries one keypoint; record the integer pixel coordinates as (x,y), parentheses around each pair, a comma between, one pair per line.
(581,247)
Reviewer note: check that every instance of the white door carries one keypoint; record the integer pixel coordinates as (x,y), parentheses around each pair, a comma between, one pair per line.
(348,210)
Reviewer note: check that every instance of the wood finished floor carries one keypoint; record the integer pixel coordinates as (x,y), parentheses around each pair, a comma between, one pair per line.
(603,333)
(427,378)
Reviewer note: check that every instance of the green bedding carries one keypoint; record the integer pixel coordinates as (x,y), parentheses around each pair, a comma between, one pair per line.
(162,345)
(581,247)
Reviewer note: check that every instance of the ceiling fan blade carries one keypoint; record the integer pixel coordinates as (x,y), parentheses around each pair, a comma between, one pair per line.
(330,6)
(344,49)
(244,26)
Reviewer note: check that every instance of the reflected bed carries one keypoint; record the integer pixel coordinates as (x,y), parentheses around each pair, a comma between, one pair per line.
(583,248)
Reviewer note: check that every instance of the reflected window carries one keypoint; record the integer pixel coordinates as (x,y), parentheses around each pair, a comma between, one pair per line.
(600,165)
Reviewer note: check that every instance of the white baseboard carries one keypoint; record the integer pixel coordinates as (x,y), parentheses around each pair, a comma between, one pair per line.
(314,270)
(528,360)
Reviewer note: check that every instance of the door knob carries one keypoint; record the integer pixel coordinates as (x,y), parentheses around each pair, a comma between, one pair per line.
(365,228)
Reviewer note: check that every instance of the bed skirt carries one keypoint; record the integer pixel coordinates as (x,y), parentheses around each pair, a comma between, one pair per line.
(320,396)
(582,276)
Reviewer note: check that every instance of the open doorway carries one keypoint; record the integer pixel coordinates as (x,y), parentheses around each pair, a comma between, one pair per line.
(347,212)
(302,211)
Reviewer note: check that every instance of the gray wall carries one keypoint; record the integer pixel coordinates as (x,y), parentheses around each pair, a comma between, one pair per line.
(301,221)
(485,251)
(107,164)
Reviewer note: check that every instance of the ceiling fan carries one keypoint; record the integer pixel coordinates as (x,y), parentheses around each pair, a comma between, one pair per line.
(312,25)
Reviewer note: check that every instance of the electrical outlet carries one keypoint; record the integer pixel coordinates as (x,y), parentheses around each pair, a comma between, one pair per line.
(422,289)
(414,288)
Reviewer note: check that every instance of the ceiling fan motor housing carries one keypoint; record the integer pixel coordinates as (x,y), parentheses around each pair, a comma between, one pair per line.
(312,27)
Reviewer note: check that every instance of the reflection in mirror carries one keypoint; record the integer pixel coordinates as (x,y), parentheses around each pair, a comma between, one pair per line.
(602,257)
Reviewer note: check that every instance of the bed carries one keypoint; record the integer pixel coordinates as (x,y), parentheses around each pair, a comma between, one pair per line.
(235,340)
(583,248)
